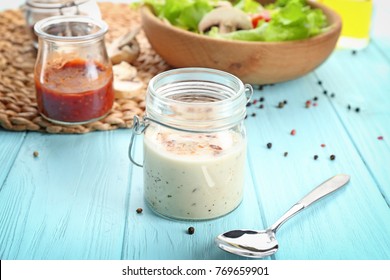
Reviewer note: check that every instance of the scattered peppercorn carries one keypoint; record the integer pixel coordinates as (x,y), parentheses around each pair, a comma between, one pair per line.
(332,95)
(139,210)
(354,52)
(191,230)
(320,82)
(261,106)
(284,102)
(248,104)
(380,137)
(293,132)
(285,154)
(253,115)
(315,157)
(246,116)
(280,105)
(261,99)
(269,145)
(35,154)
(261,87)
(349,107)
(315,98)
(357,110)
(325,92)
(332,157)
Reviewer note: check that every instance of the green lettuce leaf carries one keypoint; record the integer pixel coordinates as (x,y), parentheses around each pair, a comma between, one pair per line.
(185,14)
(290,19)
(248,6)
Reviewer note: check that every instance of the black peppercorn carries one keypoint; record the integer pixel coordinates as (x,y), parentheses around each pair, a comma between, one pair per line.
(349,107)
(253,114)
(261,99)
(261,106)
(315,157)
(332,95)
(285,154)
(191,230)
(332,157)
(320,82)
(139,210)
(325,92)
(357,110)
(315,98)
(269,145)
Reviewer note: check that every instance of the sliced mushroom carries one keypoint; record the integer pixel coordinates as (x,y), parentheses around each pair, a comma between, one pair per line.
(228,19)
(125,48)
(126,83)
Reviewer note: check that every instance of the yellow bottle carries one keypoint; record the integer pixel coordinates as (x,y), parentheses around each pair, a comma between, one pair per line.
(356,17)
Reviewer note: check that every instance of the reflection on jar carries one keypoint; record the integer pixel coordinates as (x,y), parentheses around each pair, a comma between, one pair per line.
(73,74)
(35,10)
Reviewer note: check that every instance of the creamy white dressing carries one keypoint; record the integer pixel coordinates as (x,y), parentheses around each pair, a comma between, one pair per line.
(193,176)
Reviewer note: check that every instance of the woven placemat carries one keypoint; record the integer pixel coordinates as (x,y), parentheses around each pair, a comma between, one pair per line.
(18,107)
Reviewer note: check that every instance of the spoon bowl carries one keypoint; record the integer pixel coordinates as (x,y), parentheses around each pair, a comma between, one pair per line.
(240,242)
(263,243)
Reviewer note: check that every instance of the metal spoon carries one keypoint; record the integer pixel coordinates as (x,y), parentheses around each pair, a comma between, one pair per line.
(259,244)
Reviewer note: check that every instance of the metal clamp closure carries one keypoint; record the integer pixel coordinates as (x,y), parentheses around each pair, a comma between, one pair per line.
(139,126)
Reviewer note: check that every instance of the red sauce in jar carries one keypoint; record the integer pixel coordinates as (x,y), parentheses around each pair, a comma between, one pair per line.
(76,91)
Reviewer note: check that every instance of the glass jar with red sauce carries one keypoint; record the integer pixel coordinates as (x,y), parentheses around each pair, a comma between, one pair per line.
(73,73)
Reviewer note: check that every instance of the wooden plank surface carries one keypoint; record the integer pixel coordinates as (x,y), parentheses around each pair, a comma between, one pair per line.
(10,144)
(284,180)
(366,84)
(69,202)
(77,200)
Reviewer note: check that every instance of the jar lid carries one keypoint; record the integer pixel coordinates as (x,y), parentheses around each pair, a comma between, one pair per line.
(54,4)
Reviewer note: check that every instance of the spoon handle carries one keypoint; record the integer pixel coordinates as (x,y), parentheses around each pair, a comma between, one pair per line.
(319,192)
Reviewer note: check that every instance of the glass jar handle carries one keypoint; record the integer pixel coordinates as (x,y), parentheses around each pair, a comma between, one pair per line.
(138,128)
(248,92)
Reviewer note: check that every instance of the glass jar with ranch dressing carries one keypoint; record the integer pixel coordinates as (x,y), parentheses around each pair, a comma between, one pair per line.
(194,143)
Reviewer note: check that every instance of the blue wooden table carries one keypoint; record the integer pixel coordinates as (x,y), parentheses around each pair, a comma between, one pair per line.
(78,198)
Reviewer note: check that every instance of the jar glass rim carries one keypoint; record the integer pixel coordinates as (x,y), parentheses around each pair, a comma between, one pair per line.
(197,99)
(194,71)
(54,5)
(41,26)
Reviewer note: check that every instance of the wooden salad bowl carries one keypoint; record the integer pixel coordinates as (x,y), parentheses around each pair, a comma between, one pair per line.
(253,62)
